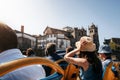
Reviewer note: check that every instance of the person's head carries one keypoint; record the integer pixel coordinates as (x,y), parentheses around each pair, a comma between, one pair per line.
(86,44)
(24,52)
(30,52)
(87,50)
(69,48)
(50,48)
(8,38)
(105,52)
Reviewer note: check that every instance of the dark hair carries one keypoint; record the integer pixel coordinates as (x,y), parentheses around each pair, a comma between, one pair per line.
(108,56)
(92,59)
(50,48)
(24,52)
(68,49)
(8,38)
(30,52)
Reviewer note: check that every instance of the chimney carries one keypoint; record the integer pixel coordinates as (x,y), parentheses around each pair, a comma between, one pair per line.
(22,28)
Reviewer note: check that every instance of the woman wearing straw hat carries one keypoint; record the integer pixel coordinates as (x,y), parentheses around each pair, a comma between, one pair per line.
(89,63)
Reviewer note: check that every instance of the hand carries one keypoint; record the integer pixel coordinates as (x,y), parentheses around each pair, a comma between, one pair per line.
(80,43)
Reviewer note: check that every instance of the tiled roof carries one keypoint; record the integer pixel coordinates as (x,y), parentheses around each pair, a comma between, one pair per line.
(50,30)
(24,33)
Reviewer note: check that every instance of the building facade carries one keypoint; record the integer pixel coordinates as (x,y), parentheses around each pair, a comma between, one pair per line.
(114,43)
(55,36)
(67,36)
(25,40)
(63,38)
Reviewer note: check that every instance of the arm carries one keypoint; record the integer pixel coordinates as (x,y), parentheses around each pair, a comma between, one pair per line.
(69,58)
(70,54)
(78,61)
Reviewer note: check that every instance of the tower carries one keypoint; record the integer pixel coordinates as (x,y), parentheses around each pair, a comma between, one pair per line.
(93,33)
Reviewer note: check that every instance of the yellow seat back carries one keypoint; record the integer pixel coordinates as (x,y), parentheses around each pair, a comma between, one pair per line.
(15,64)
(71,72)
(108,74)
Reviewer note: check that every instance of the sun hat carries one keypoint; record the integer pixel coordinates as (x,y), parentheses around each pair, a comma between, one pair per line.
(89,46)
(105,49)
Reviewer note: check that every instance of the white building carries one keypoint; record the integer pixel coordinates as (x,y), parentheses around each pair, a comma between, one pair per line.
(55,36)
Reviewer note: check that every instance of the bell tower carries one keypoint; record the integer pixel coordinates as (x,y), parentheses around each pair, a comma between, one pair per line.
(93,33)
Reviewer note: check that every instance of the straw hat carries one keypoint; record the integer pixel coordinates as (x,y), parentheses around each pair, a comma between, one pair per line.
(88,46)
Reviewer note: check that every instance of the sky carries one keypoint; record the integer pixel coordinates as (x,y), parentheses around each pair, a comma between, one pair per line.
(36,15)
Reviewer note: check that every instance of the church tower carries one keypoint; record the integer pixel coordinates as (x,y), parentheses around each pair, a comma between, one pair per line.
(93,33)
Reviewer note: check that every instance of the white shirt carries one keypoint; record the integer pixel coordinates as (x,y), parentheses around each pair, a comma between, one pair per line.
(105,63)
(32,72)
